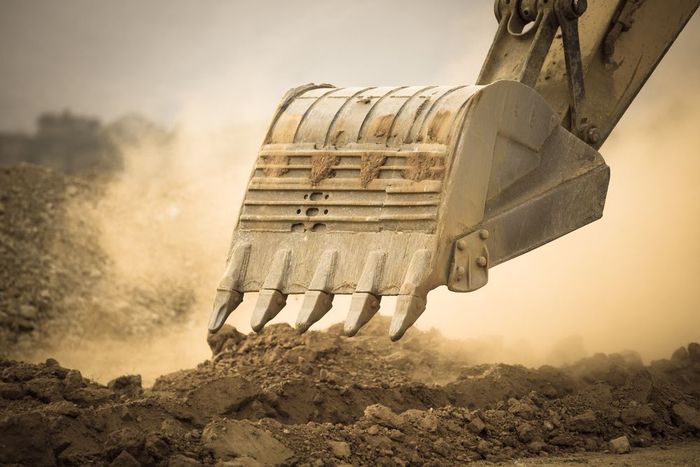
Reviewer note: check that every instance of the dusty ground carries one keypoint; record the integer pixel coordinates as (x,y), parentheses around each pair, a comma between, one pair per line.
(281,398)
(322,399)
(679,454)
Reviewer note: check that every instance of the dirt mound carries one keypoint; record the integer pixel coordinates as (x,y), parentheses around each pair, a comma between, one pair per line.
(33,279)
(322,399)
(56,283)
(280,397)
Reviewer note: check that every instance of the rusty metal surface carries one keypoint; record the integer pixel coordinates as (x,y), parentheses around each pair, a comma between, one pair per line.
(366,191)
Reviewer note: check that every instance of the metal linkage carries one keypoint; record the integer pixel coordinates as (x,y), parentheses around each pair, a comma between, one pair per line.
(525,34)
(568,12)
(470,261)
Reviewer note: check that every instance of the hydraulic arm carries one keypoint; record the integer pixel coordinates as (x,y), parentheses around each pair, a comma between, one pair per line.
(375,191)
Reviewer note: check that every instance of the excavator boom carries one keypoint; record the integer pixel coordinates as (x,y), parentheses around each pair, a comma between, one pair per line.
(587,58)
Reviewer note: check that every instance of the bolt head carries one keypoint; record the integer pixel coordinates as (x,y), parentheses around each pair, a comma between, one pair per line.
(579,6)
(482,261)
(593,135)
(460,271)
(483,234)
(461,245)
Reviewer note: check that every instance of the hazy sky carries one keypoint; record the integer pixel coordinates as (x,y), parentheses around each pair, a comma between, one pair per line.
(629,280)
(229,60)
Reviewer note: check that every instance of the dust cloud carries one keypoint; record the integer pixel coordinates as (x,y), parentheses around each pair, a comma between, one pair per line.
(166,219)
(628,281)
(624,282)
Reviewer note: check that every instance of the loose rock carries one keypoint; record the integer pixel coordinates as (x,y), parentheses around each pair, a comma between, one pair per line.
(340,449)
(620,445)
(234,438)
(688,415)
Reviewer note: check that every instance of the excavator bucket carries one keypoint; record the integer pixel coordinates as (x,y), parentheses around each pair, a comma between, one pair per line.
(398,190)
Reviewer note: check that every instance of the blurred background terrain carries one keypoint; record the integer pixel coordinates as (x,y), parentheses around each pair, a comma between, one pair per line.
(150,116)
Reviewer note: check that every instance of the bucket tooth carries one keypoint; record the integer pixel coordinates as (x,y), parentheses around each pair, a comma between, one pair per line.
(228,295)
(408,309)
(362,307)
(411,301)
(224,303)
(270,303)
(271,300)
(316,304)
(318,299)
(365,300)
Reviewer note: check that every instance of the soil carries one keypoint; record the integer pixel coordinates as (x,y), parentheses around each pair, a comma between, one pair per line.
(323,399)
(56,282)
(278,161)
(371,165)
(322,167)
(424,167)
(33,279)
(280,398)
(681,454)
